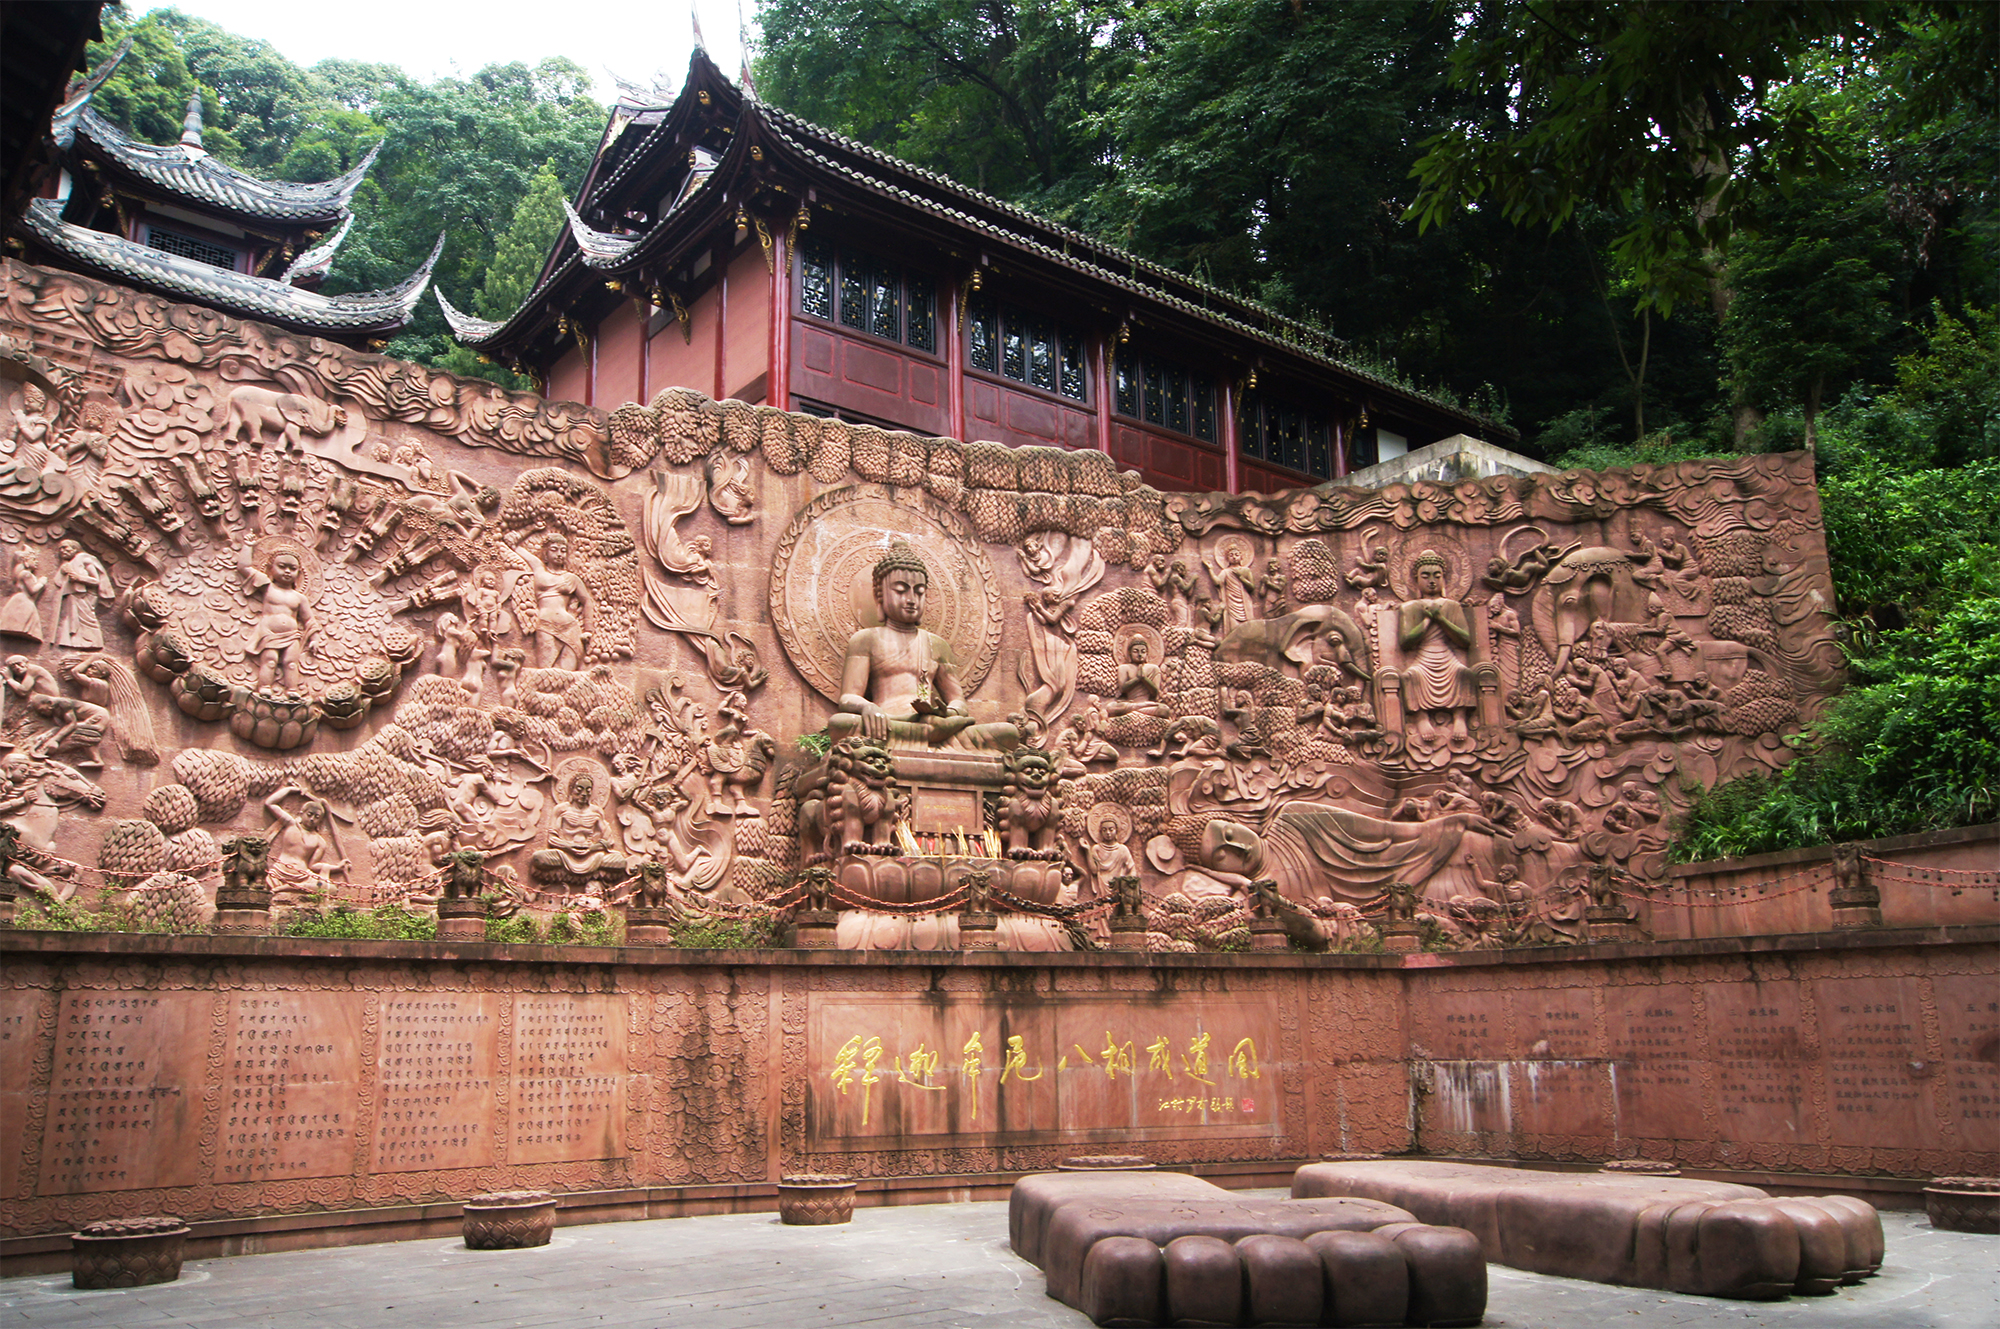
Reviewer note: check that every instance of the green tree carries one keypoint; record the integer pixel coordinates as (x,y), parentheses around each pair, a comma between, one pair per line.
(998,93)
(1664,114)
(1809,303)
(520,253)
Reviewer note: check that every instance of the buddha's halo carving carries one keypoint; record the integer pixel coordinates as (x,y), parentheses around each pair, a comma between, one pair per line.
(822,581)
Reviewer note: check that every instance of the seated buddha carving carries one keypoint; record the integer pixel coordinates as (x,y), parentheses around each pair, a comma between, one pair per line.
(900,685)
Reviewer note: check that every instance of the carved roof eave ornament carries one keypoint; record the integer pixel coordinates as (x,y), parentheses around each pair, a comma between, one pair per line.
(203,180)
(237,293)
(600,249)
(62,125)
(468,328)
(317,261)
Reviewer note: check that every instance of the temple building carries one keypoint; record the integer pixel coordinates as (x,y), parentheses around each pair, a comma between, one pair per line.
(723,244)
(176,221)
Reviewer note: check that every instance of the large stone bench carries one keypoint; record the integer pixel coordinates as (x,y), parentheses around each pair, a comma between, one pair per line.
(1710,1238)
(1146,1248)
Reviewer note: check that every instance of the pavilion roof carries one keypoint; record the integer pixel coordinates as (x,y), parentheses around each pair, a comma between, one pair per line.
(188,172)
(764,144)
(262,298)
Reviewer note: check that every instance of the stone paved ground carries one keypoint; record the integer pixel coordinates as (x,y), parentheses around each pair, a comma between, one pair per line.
(930,1265)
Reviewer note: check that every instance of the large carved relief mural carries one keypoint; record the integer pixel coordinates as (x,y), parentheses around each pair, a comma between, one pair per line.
(258,584)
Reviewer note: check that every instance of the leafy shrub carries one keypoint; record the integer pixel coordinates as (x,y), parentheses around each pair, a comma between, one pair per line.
(385,922)
(755,932)
(111,914)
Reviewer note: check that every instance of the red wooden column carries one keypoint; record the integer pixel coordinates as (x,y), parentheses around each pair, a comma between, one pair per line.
(954,361)
(1100,372)
(1232,478)
(721,267)
(644,305)
(1339,449)
(778,380)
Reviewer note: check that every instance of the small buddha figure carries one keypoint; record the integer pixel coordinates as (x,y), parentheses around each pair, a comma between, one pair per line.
(1108,855)
(900,684)
(1435,637)
(285,628)
(1139,685)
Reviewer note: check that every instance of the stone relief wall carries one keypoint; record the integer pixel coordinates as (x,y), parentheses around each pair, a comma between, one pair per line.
(257,584)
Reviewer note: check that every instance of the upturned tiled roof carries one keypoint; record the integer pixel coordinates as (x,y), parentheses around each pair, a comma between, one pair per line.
(193,174)
(232,292)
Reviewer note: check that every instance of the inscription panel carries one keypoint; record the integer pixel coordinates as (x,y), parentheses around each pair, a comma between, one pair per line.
(884,1070)
(567,1091)
(437,1099)
(18,1008)
(1561,1098)
(125,1097)
(1755,1032)
(1559,1023)
(1969,1019)
(1871,1036)
(1651,1037)
(291,1092)
(1461,1026)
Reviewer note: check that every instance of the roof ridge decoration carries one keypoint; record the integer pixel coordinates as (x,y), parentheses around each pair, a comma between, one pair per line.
(191,125)
(201,176)
(318,260)
(62,125)
(601,249)
(234,292)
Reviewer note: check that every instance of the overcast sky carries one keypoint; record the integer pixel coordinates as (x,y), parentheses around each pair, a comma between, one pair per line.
(431,39)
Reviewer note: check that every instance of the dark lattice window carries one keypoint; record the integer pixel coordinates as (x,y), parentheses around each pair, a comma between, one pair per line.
(862,292)
(885,305)
(1319,456)
(816,281)
(1014,346)
(1250,426)
(186,246)
(1282,433)
(984,317)
(1201,404)
(1166,394)
(1072,365)
(921,331)
(854,290)
(1041,355)
(1026,347)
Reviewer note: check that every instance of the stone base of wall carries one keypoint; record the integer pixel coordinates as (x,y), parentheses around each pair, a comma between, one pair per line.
(280,1092)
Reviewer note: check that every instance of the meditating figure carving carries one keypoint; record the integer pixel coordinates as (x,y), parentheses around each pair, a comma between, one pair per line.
(900,684)
(581,842)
